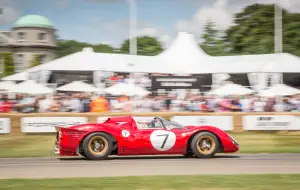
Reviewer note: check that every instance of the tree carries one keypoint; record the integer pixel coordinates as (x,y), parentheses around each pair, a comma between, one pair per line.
(9,66)
(210,34)
(67,47)
(253,31)
(35,61)
(213,43)
(146,45)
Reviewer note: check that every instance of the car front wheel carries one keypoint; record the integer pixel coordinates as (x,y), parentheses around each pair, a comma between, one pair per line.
(97,146)
(204,145)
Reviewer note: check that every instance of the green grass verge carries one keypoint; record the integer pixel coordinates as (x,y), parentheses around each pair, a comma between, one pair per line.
(268,142)
(40,145)
(225,182)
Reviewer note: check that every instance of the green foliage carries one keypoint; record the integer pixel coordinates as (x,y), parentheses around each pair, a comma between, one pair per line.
(146,45)
(9,66)
(35,61)
(213,43)
(67,47)
(210,34)
(253,31)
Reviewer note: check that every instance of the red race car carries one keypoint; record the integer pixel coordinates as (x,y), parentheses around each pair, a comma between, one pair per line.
(126,136)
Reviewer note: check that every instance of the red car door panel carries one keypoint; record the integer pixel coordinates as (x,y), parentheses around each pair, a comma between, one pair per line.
(128,142)
(154,138)
(181,140)
(161,141)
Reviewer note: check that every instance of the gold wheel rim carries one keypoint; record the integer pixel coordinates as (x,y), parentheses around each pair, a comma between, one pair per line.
(98,145)
(206,145)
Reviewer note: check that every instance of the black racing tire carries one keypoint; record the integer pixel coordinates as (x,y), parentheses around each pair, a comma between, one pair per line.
(106,142)
(188,154)
(82,154)
(198,151)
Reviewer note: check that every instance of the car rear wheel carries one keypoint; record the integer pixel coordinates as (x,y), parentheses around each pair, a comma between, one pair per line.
(204,145)
(82,154)
(97,146)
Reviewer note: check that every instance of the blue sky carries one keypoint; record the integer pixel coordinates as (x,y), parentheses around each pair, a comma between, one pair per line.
(106,21)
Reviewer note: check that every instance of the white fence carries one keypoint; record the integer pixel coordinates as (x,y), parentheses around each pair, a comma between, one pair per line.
(250,122)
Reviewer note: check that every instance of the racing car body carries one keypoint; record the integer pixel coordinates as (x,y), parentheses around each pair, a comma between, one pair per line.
(126,136)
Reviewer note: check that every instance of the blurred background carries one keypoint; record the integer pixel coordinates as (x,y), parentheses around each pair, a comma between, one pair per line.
(232,64)
(145,56)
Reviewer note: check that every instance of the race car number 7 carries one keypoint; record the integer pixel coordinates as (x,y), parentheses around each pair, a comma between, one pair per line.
(162,140)
(166,138)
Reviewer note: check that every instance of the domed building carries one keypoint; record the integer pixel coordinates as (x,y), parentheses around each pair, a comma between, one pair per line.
(30,35)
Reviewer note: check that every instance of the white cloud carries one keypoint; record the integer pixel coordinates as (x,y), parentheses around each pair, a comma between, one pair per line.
(222,11)
(219,12)
(8,12)
(166,40)
(120,30)
(292,5)
(185,26)
(147,32)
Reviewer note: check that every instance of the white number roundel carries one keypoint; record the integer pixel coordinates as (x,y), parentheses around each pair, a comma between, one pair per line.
(162,140)
(125,133)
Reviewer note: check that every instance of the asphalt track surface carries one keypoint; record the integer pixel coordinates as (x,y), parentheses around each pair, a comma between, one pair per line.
(149,165)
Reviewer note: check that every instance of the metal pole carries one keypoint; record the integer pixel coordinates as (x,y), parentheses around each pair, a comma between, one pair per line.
(132,31)
(278,32)
(278,29)
(133,25)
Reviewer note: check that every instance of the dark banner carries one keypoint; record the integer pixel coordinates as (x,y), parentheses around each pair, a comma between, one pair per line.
(241,79)
(202,82)
(65,77)
(291,79)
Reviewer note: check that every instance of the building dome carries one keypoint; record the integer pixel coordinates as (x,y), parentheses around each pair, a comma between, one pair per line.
(34,21)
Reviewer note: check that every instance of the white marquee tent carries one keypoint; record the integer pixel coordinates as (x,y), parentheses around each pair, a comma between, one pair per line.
(127,89)
(6,85)
(78,86)
(184,56)
(31,87)
(283,63)
(231,89)
(279,90)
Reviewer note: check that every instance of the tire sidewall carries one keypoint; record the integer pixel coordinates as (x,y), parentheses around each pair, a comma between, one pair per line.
(92,156)
(194,145)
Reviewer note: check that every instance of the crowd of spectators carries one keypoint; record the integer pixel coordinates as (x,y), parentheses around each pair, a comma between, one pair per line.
(84,102)
(156,102)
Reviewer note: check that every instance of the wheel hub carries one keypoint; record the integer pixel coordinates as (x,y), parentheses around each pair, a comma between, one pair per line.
(98,145)
(205,145)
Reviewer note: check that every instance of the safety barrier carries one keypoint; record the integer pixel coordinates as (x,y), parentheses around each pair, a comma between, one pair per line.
(236,122)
